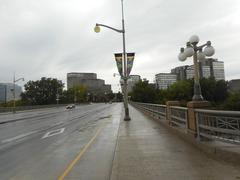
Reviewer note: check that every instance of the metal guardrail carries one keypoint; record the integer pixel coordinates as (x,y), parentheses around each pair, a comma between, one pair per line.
(211,124)
(178,116)
(154,109)
(219,125)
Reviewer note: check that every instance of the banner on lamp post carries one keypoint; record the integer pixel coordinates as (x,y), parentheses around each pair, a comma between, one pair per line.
(130,59)
(119,62)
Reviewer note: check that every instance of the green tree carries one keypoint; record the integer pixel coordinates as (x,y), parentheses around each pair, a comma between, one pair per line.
(161,96)
(221,91)
(233,101)
(181,91)
(110,96)
(208,87)
(76,94)
(119,97)
(143,92)
(214,91)
(42,91)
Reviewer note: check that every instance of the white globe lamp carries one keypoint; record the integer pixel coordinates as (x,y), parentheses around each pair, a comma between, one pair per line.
(209,51)
(189,51)
(194,39)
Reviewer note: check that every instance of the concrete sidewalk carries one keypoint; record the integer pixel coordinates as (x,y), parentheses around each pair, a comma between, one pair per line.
(147,150)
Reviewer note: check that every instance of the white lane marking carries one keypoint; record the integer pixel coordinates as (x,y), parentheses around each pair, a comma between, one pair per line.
(18,137)
(53,133)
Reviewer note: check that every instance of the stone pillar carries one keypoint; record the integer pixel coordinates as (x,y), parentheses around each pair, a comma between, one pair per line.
(168,111)
(192,123)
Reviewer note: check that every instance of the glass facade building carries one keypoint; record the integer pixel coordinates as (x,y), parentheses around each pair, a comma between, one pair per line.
(164,80)
(207,68)
(190,72)
(218,70)
(6,92)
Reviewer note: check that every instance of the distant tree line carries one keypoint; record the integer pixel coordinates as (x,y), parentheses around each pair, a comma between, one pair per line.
(50,91)
(214,91)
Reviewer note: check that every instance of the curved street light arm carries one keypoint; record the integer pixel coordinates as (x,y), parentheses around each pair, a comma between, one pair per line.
(19,79)
(109,27)
(206,44)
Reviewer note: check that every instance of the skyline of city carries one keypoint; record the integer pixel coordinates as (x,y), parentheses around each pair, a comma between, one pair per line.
(116,87)
(42,39)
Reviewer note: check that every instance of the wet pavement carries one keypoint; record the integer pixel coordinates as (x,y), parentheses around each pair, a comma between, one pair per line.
(148,151)
(94,143)
(96,162)
(42,147)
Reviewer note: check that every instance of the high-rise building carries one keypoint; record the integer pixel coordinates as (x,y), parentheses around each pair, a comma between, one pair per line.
(6,92)
(234,85)
(204,71)
(133,79)
(216,68)
(180,72)
(190,72)
(89,80)
(164,80)
(207,68)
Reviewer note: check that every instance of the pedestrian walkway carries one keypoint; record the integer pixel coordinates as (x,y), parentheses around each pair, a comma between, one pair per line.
(146,150)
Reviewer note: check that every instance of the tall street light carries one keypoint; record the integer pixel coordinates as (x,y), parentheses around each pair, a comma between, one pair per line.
(198,54)
(57,96)
(125,75)
(14,93)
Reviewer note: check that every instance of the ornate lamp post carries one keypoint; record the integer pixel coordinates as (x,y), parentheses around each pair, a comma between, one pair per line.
(198,54)
(125,75)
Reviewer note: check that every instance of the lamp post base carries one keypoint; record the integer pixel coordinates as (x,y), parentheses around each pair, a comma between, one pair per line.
(197,92)
(197,98)
(127,117)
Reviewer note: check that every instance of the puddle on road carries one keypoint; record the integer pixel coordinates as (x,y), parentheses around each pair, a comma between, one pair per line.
(105,117)
(91,124)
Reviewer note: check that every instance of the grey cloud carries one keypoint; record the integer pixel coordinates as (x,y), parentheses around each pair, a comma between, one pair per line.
(52,37)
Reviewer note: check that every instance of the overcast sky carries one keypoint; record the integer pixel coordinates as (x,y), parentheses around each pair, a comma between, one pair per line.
(49,38)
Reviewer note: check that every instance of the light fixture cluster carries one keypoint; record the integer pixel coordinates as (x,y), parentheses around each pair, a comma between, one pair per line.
(192,48)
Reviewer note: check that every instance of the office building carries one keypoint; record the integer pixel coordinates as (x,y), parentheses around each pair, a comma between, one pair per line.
(133,79)
(216,68)
(164,80)
(180,72)
(6,92)
(90,81)
(234,85)
(190,72)
(207,68)
(204,71)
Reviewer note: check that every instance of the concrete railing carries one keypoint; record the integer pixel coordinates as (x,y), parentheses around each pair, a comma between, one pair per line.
(202,123)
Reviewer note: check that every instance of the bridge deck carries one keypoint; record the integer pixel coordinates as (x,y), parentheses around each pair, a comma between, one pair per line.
(147,150)
(93,142)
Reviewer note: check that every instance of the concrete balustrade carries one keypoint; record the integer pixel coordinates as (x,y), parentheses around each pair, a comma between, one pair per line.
(209,124)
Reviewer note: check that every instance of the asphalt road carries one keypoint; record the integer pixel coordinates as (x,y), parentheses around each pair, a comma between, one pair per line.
(48,144)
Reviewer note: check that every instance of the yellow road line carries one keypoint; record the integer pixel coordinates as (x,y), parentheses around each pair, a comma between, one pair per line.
(71,165)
